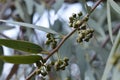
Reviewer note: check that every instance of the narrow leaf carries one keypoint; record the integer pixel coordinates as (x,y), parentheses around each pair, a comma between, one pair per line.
(21,45)
(30,26)
(5,27)
(29,5)
(108,66)
(109,22)
(115,6)
(1,62)
(27,59)
(57,5)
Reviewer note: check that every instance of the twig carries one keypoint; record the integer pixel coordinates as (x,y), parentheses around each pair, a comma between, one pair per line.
(32,74)
(66,37)
(115,30)
(4,35)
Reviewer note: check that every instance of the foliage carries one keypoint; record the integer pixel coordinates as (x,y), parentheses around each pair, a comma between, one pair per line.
(84,50)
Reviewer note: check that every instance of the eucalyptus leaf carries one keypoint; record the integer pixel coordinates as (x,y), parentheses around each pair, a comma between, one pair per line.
(19,9)
(39,8)
(5,27)
(115,6)
(58,5)
(29,5)
(109,66)
(109,22)
(1,62)
(30,26)
(24,59)
(21,45)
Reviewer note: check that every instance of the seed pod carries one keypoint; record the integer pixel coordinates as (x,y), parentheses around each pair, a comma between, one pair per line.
(63,68)
(43,73)
(79,40)
(90,35)
(83,27)
(91,30)
(86,19)
(70,24)
(80,14)
(80,36)
(48,42)
(38,64)
(52,63)
(77,23)
(86,39)
(66,59)
(48,35)
(53,45)
(71,19)
(74,15)
(48,67)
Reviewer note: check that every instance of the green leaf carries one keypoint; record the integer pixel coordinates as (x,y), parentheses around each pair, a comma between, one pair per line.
(109,22)
(115,6)
(30,26)
(21,45)
(26,59)
(1,62)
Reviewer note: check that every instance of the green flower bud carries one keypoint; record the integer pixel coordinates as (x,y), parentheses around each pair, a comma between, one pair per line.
(86,39)
(70,24)
(83,27)
(48,42)
(86,19)
(90,35)
(66,59)
(71,19)
(74,15)
(79,40)
(80,14)
(43,73)
(48,67)
(52,63)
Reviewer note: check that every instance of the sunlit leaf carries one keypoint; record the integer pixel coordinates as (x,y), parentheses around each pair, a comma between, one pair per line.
(115,6)
(26,59)
(30,26)
(21,45)
(109,21)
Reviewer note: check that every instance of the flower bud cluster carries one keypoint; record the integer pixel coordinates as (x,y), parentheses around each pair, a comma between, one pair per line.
(84,33)
(44,68)
(51,40)
(60,64)
(74,20)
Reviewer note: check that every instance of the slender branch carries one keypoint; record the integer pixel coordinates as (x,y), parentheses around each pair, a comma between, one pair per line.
(32,74)
(66,37)
(115,30)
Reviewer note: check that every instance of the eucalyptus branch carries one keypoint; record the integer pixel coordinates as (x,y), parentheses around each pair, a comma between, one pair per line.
(66,37)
